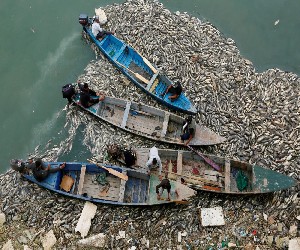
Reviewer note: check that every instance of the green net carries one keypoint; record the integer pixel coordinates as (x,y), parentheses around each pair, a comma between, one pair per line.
(241,180)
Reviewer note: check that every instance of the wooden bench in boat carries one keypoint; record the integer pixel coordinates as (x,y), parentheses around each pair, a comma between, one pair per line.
(165,125)
(120,51)
(81,180)
(126,113)
(179,163)
(152,81)
(227,175)
(122,188)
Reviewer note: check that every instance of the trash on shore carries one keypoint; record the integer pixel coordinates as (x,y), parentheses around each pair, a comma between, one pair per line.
(212,216)
(84,222)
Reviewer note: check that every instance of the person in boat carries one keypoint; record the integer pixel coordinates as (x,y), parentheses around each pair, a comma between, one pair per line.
(128,156)
(188,130)
(154,160)
(175,91)
(97,31)
(164,184)
(89,97)
(40,171)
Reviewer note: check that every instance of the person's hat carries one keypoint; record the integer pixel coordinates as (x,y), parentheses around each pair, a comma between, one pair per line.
(85,85)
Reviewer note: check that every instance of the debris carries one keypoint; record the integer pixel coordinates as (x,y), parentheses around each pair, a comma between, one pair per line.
(121,235)
(8,246)
(276,22)
(2,219)
(179,237)
(270,239)
(184,234)
(294,244)
(94,241)
(281,243)
(145,242)
(84,222)
(271,220)
(265,217)
(212,216)
(48,240)
(298,217)
(101,15)
(230,244)
(293,229)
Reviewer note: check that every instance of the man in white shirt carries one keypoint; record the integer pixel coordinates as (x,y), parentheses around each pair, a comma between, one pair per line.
(154,160)
(97,31)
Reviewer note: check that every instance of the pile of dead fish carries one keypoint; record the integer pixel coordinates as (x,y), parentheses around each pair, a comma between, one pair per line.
(258,114)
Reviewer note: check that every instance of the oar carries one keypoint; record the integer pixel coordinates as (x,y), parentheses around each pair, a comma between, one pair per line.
(149,64)
(138,76)
(196,178)
(111,171)
(207,160)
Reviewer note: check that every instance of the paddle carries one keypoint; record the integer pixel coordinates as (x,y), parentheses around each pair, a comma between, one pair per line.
(138,76)
(207,160)
(149,64)
(111,171)
(196,178)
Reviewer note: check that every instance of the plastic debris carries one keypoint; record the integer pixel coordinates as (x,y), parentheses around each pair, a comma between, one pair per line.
(276,22)
(49,240)
(212,216)
(95,241)
(294,244)
(121,235)
(2,219)
(84,222)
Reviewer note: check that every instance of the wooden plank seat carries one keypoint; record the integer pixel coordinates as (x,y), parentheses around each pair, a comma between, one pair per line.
(179,163)
(126,113)
(151,81)
(120,51)
(227,175)
(122,188)
(165,125)
(81,180)
(154,85)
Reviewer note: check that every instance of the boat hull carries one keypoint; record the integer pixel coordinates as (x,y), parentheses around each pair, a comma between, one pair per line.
(200,175)
(140,71)
(146,121)
(137,190)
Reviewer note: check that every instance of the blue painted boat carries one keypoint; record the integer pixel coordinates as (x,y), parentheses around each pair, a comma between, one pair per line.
(109,185)
(138,69)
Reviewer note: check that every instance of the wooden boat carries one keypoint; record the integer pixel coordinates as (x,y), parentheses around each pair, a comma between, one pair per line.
(146,121)
(234,177)
(138,69)
(110,185)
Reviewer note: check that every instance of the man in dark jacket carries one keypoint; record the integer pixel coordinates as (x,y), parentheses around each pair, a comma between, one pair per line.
(89,97)
(175,91)
(40,171)
(164,184)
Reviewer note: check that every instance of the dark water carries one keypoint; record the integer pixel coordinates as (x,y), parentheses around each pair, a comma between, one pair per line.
(41,49)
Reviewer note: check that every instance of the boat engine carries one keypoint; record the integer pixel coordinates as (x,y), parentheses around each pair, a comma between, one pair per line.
(83,19)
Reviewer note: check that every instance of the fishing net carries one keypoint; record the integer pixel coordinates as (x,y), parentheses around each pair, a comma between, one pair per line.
(241,180)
